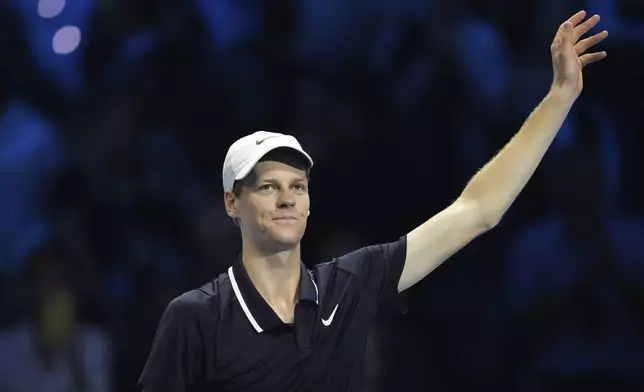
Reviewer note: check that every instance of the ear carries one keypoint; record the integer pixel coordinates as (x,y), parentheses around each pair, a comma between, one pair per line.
(230,202)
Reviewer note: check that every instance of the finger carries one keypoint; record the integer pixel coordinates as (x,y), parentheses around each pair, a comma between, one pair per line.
(577,18)
(566,34)
(589,42)
(590,58)
(586,26)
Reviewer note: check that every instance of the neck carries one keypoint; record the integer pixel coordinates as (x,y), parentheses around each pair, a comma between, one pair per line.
(275,275)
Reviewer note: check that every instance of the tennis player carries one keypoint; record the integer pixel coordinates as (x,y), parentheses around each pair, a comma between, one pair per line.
(271,324)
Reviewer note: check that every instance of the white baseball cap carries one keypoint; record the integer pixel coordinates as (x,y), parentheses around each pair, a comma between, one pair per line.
(244,154)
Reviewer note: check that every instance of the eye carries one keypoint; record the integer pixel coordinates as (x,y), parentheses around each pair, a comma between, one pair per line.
(267,187)
(299,187)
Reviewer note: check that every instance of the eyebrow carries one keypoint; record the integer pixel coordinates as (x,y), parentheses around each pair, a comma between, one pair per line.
(275,180)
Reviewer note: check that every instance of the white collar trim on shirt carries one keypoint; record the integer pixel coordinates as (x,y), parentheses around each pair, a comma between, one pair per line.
(243,304)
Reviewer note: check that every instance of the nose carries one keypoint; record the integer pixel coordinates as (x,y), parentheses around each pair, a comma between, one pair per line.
(286,199)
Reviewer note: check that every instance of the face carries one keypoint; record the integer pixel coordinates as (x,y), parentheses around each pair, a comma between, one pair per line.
(273,206)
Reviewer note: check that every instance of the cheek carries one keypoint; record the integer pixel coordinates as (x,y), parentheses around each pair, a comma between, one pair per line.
(305,204)
(259,212)
(265,216)
(249,213)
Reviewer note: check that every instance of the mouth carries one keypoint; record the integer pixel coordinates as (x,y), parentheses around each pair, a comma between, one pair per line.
(286,219)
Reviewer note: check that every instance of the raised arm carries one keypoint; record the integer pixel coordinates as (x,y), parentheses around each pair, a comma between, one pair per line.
(492,190)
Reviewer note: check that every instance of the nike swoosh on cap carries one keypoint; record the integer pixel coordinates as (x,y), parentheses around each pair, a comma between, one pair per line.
(260,141)
(328,321)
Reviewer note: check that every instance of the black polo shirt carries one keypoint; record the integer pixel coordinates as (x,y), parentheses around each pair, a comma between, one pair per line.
(225,337)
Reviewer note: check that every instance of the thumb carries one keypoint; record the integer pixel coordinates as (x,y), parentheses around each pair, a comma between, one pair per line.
(562,38)
(566,34)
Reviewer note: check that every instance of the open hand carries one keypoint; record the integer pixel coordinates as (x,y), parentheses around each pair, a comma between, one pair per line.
(569,53)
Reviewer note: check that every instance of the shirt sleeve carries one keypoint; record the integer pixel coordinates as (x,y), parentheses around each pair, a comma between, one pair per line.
(180,350)
(378,269)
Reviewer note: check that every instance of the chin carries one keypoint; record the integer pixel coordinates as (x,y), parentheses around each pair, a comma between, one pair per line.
(286,238)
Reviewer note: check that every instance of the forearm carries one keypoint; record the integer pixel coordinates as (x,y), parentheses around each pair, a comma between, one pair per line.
(497,185)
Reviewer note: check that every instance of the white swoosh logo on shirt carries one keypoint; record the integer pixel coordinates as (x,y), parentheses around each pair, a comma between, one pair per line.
(328,321)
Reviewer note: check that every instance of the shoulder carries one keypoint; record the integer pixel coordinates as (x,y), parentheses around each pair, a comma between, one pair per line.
(203,303)
(354,262)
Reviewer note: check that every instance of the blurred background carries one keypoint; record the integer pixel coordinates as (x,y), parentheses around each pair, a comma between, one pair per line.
(115,117)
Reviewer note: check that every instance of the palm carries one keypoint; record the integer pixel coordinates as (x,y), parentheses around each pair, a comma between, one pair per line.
(568,51)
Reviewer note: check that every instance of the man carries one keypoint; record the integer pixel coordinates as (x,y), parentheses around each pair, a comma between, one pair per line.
(269,324)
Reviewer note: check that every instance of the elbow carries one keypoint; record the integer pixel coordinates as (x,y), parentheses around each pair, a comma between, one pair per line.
(491,217)
(482,216)
(487,217)
(488,223)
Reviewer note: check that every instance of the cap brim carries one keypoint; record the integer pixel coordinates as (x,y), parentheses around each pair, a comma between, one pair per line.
(250,164)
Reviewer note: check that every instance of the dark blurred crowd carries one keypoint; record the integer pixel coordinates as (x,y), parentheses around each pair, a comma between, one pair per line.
(115,116)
